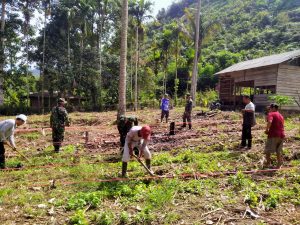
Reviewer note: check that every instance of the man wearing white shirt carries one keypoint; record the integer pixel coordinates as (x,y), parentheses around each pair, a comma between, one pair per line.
(248,122)
(7,128)
(137,137)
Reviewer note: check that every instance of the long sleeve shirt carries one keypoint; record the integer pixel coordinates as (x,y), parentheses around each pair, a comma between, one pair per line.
(7,128)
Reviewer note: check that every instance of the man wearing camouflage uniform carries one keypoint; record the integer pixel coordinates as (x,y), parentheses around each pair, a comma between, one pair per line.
(187,115)
(58,120)
(125,123)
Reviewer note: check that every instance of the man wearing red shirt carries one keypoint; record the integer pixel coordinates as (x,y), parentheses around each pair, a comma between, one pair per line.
(275,132)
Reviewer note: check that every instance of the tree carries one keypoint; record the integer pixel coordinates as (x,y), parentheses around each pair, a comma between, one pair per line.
(2,56)
(138,9)
(281,100)
(123,60)
(195,66)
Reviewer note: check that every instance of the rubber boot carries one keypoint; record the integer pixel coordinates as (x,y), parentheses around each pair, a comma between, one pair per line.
(2,161)
(249,144)
(190,126)
(124,169)
(148,163)
(56,149)
(183,124)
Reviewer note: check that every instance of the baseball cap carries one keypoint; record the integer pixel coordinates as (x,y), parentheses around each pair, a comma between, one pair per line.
(62,100)
(22,117)
(146,132)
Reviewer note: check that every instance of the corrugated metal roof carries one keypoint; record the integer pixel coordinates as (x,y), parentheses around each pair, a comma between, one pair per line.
(263,61)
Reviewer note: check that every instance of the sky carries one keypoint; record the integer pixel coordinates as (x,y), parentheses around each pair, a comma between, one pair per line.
(159,4)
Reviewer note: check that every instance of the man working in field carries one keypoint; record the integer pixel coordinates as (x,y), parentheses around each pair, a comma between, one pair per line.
(124,124)
(58,120)
(7,128)
(164,106)
(248,122)
(187,115)
(137,137)
(275,132)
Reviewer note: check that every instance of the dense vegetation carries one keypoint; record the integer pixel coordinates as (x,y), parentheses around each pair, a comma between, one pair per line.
(77,45)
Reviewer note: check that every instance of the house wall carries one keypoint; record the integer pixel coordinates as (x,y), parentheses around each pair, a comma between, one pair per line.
(264,76)
(288,83)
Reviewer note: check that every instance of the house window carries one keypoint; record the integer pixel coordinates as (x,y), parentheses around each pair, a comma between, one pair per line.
(265,90)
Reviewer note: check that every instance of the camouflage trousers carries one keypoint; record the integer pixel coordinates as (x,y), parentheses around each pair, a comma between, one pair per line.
(58,134)
(187,117)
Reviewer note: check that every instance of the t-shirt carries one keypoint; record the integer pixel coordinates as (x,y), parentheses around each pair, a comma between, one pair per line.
(250,106)
(277,125)
(165,104)
(133,136)
(248,118)
(7,128)
(189,106)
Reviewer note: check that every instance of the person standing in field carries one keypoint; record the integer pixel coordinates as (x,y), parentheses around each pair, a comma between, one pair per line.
(276,135)
(124,124)
(164,106)
(58,121)
(187,115)
(137,137)
(7,129)
(248,122)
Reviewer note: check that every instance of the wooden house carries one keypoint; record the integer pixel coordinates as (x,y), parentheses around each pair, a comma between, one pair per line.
(261,77)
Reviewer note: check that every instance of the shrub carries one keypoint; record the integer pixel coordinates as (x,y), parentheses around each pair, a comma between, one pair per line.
(78,218)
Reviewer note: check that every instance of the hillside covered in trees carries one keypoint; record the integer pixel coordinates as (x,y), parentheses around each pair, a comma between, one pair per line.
(76,46)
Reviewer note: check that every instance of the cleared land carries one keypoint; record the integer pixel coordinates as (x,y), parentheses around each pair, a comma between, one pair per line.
(64,188)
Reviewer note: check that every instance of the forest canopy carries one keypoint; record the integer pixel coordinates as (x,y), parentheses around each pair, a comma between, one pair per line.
(75,46)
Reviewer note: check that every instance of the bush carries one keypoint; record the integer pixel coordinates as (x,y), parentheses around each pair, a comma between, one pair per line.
(78,218)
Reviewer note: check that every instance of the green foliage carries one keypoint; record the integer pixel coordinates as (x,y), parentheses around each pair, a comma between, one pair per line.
(238,181)
(79,218)
(105,218)
(81,200)
(281,100)
(207,97)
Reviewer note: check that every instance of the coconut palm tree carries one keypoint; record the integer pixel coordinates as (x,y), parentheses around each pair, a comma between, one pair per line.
(195,66)
(123,60)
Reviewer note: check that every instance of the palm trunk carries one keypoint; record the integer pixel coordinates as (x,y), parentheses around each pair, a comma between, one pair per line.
(176,72)
(100,59)
(43,62)
(27,52)
(195,66)
(2,56)
(123,60)
(131,75)
(136,71)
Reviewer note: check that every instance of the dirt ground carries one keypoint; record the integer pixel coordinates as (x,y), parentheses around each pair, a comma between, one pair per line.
(95,140)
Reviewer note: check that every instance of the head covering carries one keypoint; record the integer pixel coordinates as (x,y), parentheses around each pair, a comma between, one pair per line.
(146,132)
(22,117)
(61,100)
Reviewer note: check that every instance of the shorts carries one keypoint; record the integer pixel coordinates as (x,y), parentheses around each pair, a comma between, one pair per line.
(274,145)
(164,113)
(126,155)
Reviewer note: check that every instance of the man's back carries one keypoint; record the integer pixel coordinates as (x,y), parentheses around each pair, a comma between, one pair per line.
(277,125)
(59,117)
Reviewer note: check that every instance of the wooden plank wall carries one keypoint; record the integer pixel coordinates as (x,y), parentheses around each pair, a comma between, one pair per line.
(226,89)
(288,83)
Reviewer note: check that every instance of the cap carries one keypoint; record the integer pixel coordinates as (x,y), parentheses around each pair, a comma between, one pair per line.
(146,132)
(62,100)
(22,117)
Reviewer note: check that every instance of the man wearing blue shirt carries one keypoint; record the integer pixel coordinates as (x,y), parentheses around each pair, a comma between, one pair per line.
(165,107)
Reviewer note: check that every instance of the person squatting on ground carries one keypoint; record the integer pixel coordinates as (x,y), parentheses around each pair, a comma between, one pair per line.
(248,122)
(187,115)
(7,129)
(125,123)
(137,137)
(275,132)
(58,121)
(164,106)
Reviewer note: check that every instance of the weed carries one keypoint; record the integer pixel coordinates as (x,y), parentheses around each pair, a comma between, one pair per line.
(124,218)
(81,200)
(251,199)
(78,218)
(105,218)
(238,181)
(145,216)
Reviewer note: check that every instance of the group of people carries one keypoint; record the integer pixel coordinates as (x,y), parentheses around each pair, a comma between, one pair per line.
(274,130)
(187,115)
(134,139)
